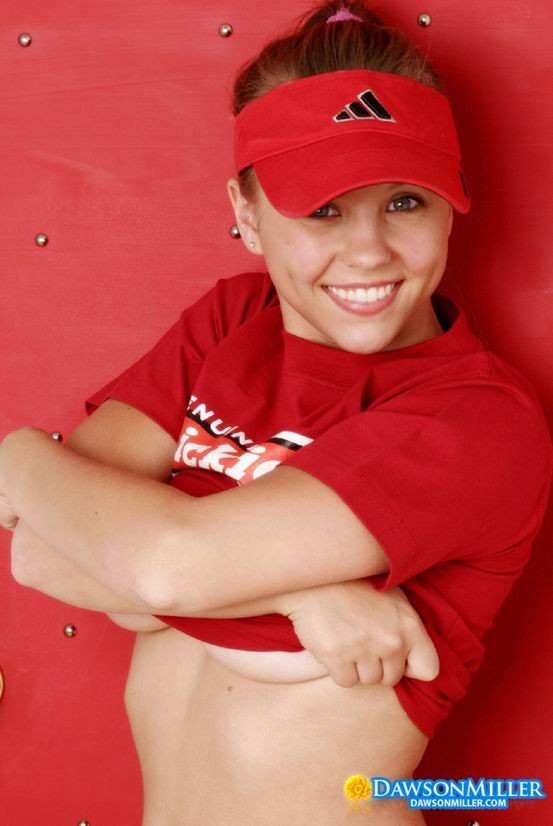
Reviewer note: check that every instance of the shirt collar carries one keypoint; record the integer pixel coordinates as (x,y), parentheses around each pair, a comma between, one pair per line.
(343,367)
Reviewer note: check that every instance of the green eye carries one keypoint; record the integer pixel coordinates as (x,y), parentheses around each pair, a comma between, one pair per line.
(403,203)
(407,203)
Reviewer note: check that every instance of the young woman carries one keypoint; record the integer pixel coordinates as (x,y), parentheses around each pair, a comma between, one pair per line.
(330,428)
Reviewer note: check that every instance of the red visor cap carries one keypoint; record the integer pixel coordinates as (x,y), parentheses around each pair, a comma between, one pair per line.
(312,139)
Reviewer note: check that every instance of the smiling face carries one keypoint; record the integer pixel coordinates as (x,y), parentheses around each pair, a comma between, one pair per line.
(359,272)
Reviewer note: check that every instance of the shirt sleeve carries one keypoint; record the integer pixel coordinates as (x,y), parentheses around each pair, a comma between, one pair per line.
(159,383)
(443,473)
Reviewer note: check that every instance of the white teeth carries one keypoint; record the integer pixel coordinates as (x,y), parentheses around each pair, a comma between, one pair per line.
(363,296)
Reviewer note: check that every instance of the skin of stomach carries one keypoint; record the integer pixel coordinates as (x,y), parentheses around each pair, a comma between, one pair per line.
(247,738)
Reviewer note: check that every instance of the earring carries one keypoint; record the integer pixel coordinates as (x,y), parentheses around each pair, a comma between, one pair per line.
(252,243)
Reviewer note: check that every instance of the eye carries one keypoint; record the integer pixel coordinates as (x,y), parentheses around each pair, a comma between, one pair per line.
(407,203)
(403,203)
(317,212)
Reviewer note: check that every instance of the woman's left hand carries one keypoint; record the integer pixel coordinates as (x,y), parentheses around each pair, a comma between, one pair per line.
(362,635)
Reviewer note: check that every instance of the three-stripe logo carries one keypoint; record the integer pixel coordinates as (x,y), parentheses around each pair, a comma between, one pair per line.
(366,105)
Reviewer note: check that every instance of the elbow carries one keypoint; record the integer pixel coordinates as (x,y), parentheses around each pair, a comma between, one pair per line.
(161,598)
(154,595)
(165,583)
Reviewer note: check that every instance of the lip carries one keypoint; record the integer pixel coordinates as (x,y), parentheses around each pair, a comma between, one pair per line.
(363,285)
(358,308)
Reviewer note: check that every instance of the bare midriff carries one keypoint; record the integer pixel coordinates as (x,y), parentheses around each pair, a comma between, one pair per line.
(245,738)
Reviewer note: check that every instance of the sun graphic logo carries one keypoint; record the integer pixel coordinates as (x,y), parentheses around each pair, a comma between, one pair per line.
(357,787)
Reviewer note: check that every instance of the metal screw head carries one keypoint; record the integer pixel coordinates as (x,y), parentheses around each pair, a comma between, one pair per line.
(225,30)
(234,231)
(83,823)
(424,20)
(56,436)
(70,630)
(472,823)
(25,39)
(41,239)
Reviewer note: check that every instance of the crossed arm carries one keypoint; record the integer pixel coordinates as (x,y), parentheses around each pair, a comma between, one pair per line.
(73,542)
(110,436)
(175,553)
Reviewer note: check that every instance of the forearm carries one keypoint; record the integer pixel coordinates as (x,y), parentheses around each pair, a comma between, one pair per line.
(274,604)
(108,521)
(36,565)
(115,526)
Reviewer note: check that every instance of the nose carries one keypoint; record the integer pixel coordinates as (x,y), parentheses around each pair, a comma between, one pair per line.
(366,244)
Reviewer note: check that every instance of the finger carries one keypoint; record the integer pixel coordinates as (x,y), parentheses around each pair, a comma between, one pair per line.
(393,668)
(423,662)
(343,673)
(370,670)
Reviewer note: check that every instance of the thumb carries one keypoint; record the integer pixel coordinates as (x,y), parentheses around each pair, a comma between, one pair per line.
(423,662)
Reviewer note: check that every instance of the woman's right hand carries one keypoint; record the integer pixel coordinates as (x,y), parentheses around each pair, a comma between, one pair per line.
(363,635)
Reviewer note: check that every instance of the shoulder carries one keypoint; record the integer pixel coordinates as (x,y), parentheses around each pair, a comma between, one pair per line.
(506,394)
(226,305)
(490,429)
(231,301)
(499,406)
(251,291)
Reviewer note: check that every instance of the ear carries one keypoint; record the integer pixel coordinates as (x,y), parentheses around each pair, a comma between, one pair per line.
(246,217)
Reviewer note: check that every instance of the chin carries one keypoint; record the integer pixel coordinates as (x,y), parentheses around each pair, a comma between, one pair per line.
(359,346)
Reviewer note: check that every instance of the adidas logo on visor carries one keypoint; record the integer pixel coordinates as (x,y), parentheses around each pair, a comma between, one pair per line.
(367,106)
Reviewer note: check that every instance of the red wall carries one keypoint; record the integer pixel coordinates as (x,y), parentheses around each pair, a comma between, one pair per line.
(116,142)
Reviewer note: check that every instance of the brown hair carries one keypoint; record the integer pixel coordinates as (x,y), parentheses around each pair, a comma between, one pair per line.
(310,46)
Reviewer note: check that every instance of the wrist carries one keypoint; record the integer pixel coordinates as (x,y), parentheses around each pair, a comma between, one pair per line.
(290,602)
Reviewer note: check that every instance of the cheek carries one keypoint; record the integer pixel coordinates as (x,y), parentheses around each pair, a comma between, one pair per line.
(426,252)
(305,257)
(293,265)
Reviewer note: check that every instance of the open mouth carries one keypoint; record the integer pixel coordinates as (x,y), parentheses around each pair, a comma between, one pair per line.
(364,300)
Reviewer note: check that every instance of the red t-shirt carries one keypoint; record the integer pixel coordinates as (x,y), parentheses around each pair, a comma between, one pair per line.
(441,449)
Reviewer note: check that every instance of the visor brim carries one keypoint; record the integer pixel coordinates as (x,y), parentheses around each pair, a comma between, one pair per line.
(299,181)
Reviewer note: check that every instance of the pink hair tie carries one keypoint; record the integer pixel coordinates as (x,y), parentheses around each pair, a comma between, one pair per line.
(343,14)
